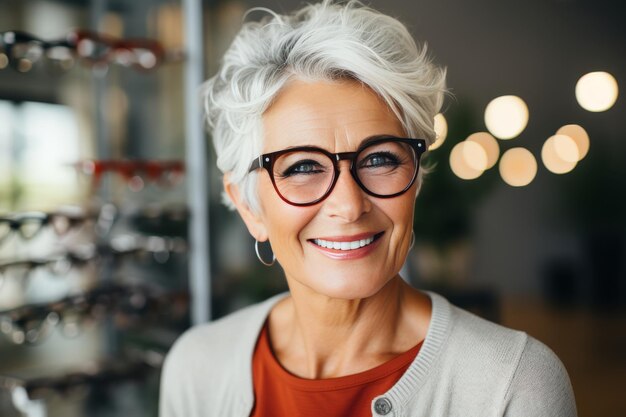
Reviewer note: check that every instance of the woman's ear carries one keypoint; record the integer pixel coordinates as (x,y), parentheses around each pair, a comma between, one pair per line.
(253,220)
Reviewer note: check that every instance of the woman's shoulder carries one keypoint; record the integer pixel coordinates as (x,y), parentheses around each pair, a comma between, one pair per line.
(206,370)
(515,367)
(485,341)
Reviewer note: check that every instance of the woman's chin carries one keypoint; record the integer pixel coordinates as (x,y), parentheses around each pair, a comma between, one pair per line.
(345,288)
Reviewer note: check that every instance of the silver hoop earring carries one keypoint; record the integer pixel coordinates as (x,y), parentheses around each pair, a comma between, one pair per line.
(412,240)
(258,254)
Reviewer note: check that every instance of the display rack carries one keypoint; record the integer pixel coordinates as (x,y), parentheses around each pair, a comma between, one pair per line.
(197,194)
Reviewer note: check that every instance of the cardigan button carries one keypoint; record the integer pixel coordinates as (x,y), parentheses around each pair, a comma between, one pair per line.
(382,406)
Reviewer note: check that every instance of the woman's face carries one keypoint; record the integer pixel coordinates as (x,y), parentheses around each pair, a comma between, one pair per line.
(337,117)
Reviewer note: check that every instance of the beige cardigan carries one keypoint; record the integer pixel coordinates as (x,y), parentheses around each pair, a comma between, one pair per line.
(466,367)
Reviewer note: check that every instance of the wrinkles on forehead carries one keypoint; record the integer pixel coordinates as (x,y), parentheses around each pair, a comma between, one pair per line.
(314,114)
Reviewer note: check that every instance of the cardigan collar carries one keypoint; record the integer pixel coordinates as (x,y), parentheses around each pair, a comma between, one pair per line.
(408,385)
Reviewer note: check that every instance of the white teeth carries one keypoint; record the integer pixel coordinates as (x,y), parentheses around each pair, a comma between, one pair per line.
(343,245)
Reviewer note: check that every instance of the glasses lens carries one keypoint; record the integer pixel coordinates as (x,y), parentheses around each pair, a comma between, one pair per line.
(5,229)
(302,177)
(30,226)
(386,168)
(61,224)
(25,54)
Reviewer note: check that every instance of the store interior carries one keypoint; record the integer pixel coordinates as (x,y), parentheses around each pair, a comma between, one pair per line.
(107,177)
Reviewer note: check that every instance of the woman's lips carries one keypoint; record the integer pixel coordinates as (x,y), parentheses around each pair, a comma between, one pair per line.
(347,247)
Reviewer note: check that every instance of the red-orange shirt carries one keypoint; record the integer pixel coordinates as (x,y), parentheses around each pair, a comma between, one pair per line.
(279,393)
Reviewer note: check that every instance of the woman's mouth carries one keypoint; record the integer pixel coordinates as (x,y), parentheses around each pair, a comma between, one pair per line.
(346,245)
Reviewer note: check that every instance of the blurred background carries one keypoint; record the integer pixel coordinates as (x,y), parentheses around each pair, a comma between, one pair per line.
(104,171)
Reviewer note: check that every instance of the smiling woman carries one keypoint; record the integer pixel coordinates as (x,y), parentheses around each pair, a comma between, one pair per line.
(319,119)
(335,117)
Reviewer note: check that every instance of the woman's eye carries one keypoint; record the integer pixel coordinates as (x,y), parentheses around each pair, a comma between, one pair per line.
(381,159)
(304,167)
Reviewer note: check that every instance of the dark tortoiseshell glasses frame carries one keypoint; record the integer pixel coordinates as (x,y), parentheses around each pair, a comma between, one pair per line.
(266,161)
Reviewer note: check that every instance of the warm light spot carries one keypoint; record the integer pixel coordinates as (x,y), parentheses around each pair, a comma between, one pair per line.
(596,91)
(4,60)
(579,135)
(475,156)
(489,144)
(506,116)
(441,130)
(518,167)
(459,163)
(566,148)
(551,154)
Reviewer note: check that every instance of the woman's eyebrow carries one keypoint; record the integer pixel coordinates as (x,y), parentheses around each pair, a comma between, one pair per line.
(363,142)
(372,138)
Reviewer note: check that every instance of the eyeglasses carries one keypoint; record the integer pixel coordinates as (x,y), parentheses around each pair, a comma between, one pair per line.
(99,49)
(137,249)
(128,305)
(136,172)
(99,374)
(22,50)
(28,225)
(383,167)
(57,266)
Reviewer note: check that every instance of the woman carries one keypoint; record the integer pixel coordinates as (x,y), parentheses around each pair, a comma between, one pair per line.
(319,120)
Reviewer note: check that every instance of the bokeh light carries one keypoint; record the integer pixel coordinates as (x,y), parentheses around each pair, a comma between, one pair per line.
(596,91)
(557,154)
(579,135)
(566,148)
(489,144)
(518,167)
(441,129)
(475,156)
(459,160)
(506,116)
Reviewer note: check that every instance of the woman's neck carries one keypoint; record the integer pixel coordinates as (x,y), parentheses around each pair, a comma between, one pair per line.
(314,336)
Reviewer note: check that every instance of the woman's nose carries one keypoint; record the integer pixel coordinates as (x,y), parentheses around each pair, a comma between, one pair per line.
(347,200)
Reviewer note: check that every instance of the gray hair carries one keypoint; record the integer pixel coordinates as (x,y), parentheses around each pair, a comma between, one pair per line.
(319,42)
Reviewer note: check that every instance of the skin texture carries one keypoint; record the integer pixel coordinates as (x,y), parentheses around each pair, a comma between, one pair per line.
(344,315)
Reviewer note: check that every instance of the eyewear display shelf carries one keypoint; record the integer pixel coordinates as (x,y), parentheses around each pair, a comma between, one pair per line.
(135,274)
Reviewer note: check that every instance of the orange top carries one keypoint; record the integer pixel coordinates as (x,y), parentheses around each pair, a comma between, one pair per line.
(279,393)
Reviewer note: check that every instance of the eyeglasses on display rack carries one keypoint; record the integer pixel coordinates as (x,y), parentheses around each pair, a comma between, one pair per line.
(135,367)
(22,50)
(126,304)
(383,167)
(157,249)
(26,225)
(58,266)
(100,49)
(152,218)
(136,173)
(30,224)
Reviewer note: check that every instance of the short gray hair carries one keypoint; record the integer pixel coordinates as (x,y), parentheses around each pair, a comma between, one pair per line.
(319,42)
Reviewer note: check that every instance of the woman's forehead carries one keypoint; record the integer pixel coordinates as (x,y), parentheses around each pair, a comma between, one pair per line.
(326,114)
